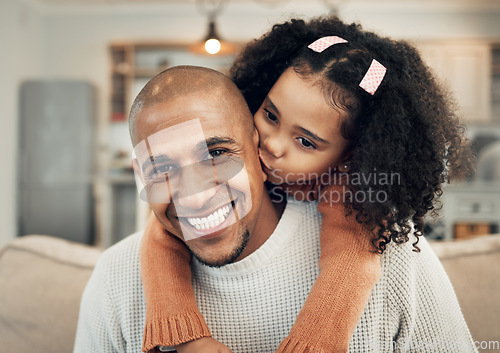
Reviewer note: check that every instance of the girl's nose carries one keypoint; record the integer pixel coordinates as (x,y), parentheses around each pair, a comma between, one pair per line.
(275,146)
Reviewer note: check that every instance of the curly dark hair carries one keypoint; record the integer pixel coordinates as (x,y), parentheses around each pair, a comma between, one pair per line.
(409,126)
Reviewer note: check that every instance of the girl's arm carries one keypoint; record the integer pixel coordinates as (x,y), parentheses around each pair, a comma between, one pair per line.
(172,314)
(349,268)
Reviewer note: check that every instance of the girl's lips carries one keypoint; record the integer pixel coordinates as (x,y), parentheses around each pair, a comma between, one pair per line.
(264,164)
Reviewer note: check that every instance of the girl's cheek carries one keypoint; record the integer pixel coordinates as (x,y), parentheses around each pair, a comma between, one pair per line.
(259,127)
(259,131)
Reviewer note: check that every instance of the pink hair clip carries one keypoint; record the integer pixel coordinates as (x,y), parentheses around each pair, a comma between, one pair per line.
(324,43)
(373,77)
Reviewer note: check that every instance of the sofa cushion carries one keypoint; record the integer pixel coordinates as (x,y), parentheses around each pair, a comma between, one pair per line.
(473,266)
(41,281)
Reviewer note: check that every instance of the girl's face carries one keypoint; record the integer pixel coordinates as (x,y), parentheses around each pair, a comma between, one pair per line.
(299,131)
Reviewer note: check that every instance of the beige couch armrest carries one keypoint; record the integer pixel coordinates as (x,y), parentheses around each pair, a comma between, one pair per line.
(473,266)
(41,281)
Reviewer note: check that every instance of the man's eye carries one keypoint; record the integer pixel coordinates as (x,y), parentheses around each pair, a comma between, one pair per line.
(271,117)
(305,143)
(217,153)
(160,171)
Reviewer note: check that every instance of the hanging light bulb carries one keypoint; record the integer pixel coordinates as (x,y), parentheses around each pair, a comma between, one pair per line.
(212,46)
(212,42)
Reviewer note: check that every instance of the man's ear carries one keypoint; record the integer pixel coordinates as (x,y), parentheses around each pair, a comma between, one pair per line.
(256,141)
(255,137)
(137,169)
(139,180)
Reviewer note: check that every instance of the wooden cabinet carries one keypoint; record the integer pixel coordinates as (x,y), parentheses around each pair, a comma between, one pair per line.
(133,64)
(473,203)
(470,70)
(466,69)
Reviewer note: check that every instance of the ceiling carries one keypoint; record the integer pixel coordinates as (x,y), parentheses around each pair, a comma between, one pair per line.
(263,2)
(250,6)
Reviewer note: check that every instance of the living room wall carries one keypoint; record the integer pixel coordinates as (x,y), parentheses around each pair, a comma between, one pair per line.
(21,43)
(71,42)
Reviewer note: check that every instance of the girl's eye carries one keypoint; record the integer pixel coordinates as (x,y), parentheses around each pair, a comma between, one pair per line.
(271,117)
(305,143)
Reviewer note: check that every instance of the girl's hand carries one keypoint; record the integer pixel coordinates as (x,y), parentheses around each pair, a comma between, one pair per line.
(203,345)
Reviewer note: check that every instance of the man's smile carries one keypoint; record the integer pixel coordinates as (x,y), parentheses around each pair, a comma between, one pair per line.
(210,224)
(213,220)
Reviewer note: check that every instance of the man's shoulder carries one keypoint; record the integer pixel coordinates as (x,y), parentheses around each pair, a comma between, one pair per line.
(416,294)
(404,259)
(112,307)
(127,246)
(122,259)
(408,255)
(406,268)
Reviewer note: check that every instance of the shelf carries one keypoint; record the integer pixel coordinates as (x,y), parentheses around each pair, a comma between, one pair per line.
(121,178)
(147,72)
(132,63)
(121,69)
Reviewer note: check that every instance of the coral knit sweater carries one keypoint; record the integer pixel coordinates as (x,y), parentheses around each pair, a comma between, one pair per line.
(349,268)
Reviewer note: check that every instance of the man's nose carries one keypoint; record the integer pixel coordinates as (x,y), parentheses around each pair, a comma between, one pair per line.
(197,186)
(198,200)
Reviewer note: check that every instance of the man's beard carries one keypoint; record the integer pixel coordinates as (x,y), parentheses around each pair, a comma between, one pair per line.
(229,258)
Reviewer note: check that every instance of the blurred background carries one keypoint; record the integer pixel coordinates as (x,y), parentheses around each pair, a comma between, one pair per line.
(71,68)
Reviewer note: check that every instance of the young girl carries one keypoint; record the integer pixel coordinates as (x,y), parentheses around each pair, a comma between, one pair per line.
(349,119)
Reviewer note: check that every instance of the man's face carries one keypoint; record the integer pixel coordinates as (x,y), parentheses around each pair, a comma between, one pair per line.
(201,173)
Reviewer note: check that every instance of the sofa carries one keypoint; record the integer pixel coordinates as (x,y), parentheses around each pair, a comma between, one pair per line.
(42,279)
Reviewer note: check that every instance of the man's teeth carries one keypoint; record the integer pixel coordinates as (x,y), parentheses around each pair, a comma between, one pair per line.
(212,220)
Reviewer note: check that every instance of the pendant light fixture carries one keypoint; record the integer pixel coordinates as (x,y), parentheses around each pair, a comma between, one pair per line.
(212,43)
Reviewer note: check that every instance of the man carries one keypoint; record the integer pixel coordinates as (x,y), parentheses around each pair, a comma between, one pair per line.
(251,276)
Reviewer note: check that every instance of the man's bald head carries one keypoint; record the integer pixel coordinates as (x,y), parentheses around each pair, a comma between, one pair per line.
(189,81)
(197,157)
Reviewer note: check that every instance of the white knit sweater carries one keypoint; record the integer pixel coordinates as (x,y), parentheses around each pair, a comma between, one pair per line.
(251,305)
